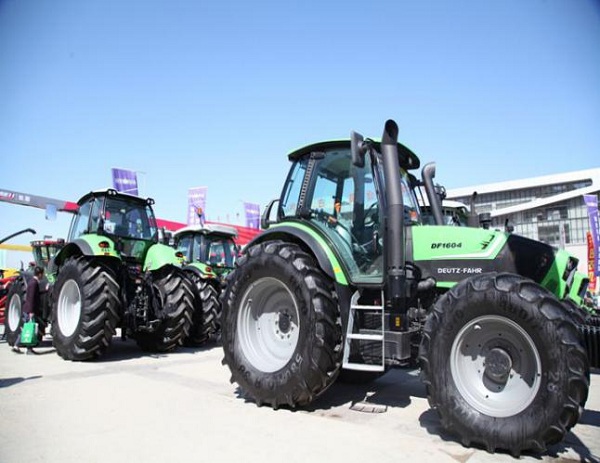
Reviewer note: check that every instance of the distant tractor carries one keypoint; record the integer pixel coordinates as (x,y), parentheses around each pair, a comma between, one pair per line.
(113,273)
(347,278)
(210,252)
(43,253)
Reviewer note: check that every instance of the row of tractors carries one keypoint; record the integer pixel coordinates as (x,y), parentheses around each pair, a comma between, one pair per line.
(347,280)
(117,270)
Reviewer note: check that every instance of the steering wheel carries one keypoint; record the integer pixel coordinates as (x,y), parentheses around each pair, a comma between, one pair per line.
(372,215)
(359,250)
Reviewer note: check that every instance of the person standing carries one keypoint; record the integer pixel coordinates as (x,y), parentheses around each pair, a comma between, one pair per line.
(32,305)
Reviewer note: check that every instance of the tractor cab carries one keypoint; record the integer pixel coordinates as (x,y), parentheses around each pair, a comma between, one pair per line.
(341,199)
(45,250)
(128,220)
(211,244)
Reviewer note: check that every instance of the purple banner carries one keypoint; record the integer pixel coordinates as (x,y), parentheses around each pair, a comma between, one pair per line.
(591,202)
(125,181)
(252,215)
(197,205)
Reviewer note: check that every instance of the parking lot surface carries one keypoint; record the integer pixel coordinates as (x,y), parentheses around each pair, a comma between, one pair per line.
(130,406)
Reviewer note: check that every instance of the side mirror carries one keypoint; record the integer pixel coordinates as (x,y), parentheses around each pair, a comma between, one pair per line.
(359,148)
(265,219)
(485,220)
(50,212)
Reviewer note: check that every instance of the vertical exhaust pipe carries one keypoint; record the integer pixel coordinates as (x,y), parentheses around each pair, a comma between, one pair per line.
(395,291)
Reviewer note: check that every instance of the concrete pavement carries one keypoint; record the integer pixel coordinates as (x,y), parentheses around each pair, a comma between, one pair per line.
(133,407)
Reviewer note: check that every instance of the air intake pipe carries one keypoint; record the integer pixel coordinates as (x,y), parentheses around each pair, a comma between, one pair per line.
(435,203)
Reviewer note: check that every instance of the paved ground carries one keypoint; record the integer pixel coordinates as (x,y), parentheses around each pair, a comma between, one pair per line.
(133,407)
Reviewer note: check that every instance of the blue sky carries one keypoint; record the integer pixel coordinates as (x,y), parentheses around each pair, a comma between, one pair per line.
(196,93)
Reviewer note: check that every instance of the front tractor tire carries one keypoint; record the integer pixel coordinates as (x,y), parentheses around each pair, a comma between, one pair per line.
(281,328)
(85,309)
(173,304)
(207,311)
(13,320)
(503,364)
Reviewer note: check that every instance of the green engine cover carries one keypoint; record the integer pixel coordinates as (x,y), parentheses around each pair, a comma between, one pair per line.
(449,254)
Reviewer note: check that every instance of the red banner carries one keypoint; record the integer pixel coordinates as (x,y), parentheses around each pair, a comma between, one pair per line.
(591,260)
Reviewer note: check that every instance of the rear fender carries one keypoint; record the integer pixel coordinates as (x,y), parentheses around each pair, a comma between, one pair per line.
(202,270)
(87,245)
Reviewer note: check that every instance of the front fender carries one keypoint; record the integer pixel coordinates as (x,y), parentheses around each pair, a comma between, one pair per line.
(304,235)
(160,255)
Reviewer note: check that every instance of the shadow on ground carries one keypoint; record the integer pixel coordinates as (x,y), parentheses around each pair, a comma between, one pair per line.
(123,350)
(394,389)
(7,382)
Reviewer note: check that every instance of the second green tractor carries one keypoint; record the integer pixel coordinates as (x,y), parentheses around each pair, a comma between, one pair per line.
(114,273)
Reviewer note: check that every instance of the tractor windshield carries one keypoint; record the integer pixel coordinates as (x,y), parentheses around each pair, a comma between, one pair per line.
(129,219)
(117,215)
(412,212)
(214,250)
(221,252)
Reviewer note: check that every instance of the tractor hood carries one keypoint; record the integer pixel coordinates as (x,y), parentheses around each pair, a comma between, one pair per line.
(450,254)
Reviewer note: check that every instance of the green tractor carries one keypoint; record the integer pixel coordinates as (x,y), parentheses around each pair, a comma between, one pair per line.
(346,280)
(43,253)
(113,273)
(210,252)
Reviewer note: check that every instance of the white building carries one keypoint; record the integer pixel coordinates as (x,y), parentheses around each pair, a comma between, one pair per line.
(548,208)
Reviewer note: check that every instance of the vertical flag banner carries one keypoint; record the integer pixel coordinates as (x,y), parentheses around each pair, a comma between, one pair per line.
(590,266)
(196,205)
(591,202)
(125,181)
(252,215)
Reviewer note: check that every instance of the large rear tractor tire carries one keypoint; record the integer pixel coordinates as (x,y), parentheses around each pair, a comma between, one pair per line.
(85,309)
(281,328)
(207,311)
(503,364)
(13,319)
(172,294)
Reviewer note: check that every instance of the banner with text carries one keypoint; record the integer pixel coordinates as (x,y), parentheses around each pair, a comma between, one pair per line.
(125,181)
(590,266)
(591,202)
(252,215)
(196,205)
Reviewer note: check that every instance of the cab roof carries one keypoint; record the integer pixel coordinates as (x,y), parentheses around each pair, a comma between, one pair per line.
(115,193)
(408,160)
(208,229)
